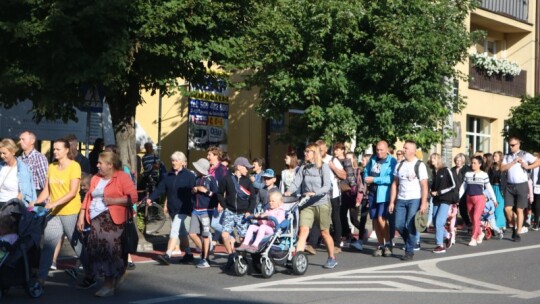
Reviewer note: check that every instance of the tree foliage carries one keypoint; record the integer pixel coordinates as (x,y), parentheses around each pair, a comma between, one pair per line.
(364,69)
(52,49)
(524,123)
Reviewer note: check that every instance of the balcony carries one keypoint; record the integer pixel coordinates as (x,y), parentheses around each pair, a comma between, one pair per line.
(515,9)
(509,86)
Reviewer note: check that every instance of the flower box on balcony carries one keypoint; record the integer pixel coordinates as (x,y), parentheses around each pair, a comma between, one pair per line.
(515,86)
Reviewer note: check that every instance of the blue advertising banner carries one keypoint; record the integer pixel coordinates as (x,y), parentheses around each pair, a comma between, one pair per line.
(208,115)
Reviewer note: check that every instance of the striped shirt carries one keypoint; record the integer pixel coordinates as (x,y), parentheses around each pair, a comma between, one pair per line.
(474,183)
(38,165)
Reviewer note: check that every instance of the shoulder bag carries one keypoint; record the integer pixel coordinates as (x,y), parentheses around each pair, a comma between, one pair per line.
(130,236)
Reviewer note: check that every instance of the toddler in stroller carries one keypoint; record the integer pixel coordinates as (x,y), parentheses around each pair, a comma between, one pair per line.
(264,227)
(21,256)
(276,248)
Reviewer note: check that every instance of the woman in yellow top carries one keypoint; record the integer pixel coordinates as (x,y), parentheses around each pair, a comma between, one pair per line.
(63,182)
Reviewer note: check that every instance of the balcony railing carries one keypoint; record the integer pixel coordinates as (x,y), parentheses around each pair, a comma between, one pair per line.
(517,9)
(510,86)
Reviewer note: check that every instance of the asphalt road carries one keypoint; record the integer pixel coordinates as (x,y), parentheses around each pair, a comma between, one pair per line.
(494,272)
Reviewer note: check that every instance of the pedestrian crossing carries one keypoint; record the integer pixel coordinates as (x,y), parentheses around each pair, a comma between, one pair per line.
(424,276)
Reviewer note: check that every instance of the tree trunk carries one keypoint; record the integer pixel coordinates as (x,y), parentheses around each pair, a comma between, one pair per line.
(123,107)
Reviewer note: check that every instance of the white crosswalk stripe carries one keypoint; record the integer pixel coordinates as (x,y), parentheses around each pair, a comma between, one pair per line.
(418,276)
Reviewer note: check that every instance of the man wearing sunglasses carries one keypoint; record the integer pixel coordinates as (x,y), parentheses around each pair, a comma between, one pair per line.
(517,188)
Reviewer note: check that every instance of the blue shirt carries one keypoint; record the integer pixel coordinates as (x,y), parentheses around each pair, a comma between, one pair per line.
(206,200)
(177,186)
(382,171)
(26,181)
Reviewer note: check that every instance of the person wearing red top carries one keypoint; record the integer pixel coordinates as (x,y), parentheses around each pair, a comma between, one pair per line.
(104,210)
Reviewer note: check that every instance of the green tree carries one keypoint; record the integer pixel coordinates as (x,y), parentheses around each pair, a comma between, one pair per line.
(52,49)
(359,68)
(524,123)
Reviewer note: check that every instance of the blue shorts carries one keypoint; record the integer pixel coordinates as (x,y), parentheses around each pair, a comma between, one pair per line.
(231,220)
(377,209)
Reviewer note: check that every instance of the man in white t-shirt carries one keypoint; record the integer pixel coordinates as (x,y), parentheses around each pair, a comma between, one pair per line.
(408,195)
(517,187)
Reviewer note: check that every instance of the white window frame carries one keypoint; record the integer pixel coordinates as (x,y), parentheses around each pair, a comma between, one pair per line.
(477,135)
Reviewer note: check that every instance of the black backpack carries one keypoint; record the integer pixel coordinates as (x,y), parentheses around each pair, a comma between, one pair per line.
(416,167)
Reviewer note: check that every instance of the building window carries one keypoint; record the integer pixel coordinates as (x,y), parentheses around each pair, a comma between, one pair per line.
(478,134)
(493,48)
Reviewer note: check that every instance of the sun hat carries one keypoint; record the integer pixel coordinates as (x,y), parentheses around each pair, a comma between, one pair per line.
(202,165)
(421,221)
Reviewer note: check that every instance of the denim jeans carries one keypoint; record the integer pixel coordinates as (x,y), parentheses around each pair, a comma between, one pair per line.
(405,211)
(440,215)
(391,226)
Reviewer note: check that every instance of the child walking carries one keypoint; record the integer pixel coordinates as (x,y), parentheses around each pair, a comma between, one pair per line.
(265,227)
(489,216)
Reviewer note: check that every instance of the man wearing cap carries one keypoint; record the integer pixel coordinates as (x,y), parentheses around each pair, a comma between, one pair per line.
(236,196)
(408,195)
(269,180)
(205,191)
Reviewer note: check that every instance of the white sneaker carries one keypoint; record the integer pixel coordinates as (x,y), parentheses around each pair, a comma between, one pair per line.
(480,238)
(524,230)
(473,243)
(357,245)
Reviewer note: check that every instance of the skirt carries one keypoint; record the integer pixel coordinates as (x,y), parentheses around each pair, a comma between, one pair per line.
(500,217)
(104,247)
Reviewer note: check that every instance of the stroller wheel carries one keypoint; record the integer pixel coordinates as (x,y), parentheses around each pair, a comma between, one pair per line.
(299,263)
(34,288)
(267,267)
(240,266)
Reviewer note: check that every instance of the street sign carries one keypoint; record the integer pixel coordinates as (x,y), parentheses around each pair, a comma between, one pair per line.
(93,99)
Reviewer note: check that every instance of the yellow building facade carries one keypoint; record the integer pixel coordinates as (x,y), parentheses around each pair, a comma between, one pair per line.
(510,34)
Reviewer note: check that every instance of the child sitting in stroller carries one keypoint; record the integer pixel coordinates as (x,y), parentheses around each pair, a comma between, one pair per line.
(8,233)
(264,227)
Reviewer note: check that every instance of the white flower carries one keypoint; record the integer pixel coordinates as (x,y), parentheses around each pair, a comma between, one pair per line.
(493,66)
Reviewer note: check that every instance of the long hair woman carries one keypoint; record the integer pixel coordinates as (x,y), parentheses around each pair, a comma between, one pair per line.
(104,209)
(498,182)
(473,186)
(314,179)
(287,175)
(442,193)
(63,183)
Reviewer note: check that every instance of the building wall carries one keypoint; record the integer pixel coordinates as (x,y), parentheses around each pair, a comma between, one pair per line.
(246,133)
(520,48)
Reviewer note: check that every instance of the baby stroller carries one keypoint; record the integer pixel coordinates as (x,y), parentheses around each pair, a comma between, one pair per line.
(16,267)
(278,248)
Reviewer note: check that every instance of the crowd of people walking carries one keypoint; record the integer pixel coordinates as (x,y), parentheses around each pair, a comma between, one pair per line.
(90,200)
